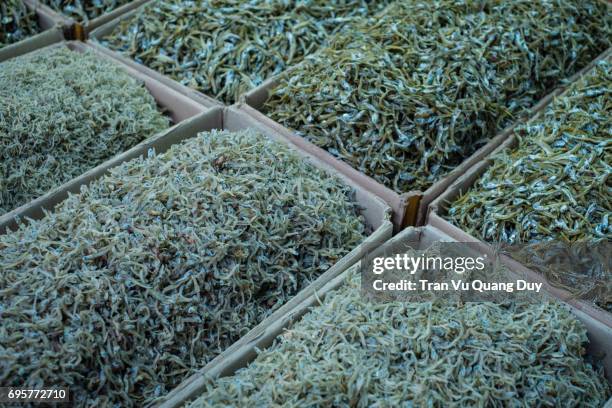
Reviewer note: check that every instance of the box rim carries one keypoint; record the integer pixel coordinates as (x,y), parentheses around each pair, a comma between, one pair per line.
(94,39)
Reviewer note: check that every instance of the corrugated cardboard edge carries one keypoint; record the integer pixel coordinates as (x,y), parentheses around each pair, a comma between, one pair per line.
(410,208)
(44,39)
(52,33)
(179,107)
(439,206)
(169,82)
(79,30)
(96,36)
(104,29)
(176,104)
(600,337)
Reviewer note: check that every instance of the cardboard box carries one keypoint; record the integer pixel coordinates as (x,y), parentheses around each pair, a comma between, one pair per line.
(179,107)
(438,209)
(52,32)
(262,336)
(96,35)
(409,208)
(375,211)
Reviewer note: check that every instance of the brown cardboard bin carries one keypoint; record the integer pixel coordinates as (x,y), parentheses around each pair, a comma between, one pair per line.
(375,211)
(179,107)
(96,35)
(263,335)
(438,209)
(52,33)
(409,208)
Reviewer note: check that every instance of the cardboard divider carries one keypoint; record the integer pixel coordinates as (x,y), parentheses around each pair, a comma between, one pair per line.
(439,207)
(160,143)
(44,39)
(226,364)
(96,35)
(409,208)
(52,32)
(177,106)
(375,211)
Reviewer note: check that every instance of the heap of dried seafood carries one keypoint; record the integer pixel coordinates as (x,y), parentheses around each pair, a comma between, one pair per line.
(62,113)
(555,184)
(226,47)
(347,352)
(408,95)
(16,22)
(156,268)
